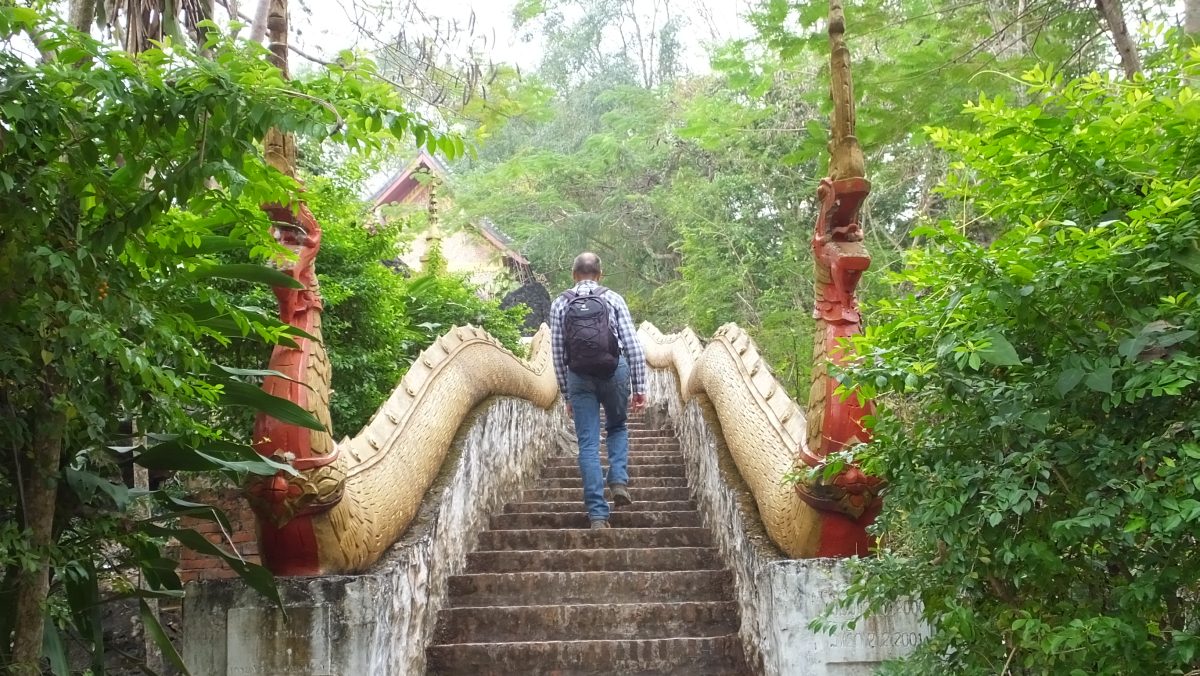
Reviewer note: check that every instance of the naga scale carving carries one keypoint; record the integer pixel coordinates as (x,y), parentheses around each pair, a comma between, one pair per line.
(765,431)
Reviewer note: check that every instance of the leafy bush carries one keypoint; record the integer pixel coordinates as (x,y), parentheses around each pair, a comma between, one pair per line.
(365,324)
(1039,419)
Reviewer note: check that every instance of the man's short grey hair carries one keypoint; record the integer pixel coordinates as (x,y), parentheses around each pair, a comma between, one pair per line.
(587,264)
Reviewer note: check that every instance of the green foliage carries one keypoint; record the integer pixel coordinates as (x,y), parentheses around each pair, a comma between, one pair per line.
(581,39)
(916,61)
(122,180)
(1039,419)
(375,321)
(697,197)
(586,190)
(364,324)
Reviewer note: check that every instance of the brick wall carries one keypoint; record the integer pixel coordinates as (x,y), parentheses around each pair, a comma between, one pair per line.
(196,566)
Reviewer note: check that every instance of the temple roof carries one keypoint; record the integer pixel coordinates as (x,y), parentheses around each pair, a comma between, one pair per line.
(407,188)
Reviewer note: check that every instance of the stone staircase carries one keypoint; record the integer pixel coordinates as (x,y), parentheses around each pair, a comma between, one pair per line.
(545,595)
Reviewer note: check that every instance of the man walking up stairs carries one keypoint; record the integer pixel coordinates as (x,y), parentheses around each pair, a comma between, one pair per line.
(544,594)
(599,363)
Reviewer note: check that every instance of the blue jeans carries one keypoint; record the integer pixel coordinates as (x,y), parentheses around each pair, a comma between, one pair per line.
(587,394)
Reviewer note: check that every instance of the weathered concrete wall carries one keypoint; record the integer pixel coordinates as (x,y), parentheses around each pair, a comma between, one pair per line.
(377,623)
(777,597)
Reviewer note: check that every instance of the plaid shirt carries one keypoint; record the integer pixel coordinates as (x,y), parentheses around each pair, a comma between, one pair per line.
(618,316)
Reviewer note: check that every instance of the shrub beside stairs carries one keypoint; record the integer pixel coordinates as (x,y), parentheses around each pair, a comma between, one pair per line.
(543,594)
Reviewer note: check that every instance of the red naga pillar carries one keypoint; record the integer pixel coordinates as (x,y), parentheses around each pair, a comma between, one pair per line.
(285,504)
(849,501)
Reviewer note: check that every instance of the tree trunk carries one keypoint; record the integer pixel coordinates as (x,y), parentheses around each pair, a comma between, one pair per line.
(1009,30)
(141,481)
(82,15)
(1114,15)
(258,29)
(1191,20)
(143,24)
(279,148)
(39,491)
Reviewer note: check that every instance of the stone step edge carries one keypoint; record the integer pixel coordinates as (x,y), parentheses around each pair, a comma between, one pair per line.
(558,514)
(577,505)
(513,644)
(664,604)
(595,573)
(631,466)
(449,614)
(616,533)
(713,550)
(611,529)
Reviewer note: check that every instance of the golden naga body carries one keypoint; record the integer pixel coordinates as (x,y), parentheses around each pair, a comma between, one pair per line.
(380,476)
(761,425)
(765,431)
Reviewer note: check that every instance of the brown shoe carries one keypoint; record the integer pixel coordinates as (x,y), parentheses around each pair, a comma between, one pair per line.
(621,497)
(597,524)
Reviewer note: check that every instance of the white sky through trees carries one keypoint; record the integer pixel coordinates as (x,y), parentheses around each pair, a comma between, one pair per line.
(324,27)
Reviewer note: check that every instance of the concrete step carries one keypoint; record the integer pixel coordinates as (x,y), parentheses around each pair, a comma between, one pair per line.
(659,558)
(640,482)
(636,471)
(575,538)
(586,622)
(690,656)
(638,447)
(638,493)
(635,449)
(545,594)
(634,457)
(651,444)
(580,520)
(558,588)
(577,506)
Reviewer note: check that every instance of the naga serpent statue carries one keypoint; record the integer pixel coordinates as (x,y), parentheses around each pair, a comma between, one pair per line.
(348,502)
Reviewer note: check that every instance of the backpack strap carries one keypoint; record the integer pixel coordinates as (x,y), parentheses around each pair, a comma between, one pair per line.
(572,294)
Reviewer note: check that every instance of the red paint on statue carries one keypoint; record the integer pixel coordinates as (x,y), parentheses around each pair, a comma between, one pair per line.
(849,501)
(290,549)
(287,539)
